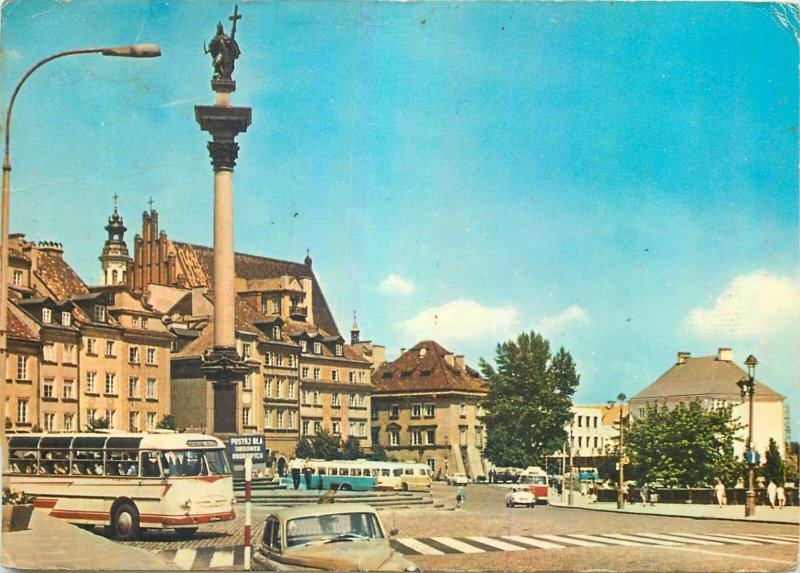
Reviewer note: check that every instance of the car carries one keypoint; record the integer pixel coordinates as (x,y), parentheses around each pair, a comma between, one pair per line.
(327,537)
(520,496)
(457,479)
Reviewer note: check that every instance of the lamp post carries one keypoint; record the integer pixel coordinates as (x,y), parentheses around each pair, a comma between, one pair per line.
(747,386)
(563,469)
(570,497)
(621,484)
(132,51)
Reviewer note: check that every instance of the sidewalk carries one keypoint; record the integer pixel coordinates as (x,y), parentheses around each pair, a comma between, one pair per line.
(764,514)
(51,543)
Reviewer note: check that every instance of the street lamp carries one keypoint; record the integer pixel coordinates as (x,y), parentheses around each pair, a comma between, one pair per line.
(570,498)
(132,51)
(747,386)
(621,485)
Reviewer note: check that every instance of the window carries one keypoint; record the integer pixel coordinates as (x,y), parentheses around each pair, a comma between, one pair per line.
(151,420)
(245,416)
(22,367)
(279,360)
(595,421)
(144,323)
(580,421)
(338,350)
(416,438)
(304,398)
(151,357)
(268,388)
(276,332)
(374,414)
(111,416)
(268,358)
(292,389)
(69,421)
(353,400)
(361,377)
(110,348)
(303,346)
(335,399)
(246,381)
(279,419)
(49,421)
(133,387)
(462,410)
(479,436)
(133,354)
(69,353)
(335,375)
(394,438)
(595,442)
(47,318)
(394,411)
(173,345)
(291,420)
(49,352)
(462,436)
(317,348)
(268,417)
(361,400)
(111,383)
(316,373)
(99,313)
(304,373)
(316,398)
(580,441)
(430,437)
(48,388)
(317,426)
(351,377)
(305,427)
(133,421)
(292,361)
(91,415)
(362,428)
(91,382)
(66,319)
(337,427)
(67,389)
(279,388)
(91,346)
(17,278)
(245,350)
(479,410)
(416,410)
(135,321)
(151,388)
(430,410)
(352,430)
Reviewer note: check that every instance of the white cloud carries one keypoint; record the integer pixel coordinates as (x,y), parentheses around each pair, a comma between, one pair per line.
(396,285)
(751,305)
(552,326)
(460,320)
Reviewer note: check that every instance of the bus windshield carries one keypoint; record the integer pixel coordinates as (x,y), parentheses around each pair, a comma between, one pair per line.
(185,463)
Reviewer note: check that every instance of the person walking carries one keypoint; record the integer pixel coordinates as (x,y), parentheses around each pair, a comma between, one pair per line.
(719,493)
(645,493)
(460,496)
(772,492)
(780,495)
(307,474)
(295,466)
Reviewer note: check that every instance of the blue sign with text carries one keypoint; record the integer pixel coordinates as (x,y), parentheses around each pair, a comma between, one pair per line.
(241,446)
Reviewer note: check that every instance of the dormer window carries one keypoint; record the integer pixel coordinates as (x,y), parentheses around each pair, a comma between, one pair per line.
(144,323)
(135,322)
(66,319)
(276,332)
(317,348)
(99,313)
(47,315)
(303,346)
(338,350)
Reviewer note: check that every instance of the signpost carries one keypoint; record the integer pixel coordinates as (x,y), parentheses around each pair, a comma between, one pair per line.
(253,445)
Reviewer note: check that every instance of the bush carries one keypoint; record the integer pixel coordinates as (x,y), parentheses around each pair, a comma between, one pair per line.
(16,497)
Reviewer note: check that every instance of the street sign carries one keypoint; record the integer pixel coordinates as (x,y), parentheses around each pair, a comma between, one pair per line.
(247,445)
(626,460)
(753,457)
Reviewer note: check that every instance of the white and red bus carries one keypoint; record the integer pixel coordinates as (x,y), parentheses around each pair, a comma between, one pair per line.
(535,478)
(126,482)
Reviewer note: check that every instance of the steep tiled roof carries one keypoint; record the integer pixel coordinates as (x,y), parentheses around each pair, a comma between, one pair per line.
(17,328)
(59,277)
(702,376)
(424,368)
(197,263)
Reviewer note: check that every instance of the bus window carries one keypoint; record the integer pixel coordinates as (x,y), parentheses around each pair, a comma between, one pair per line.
(356,472)
(386,472)
(217,462)
(334,472)
(367,472)
(23,461)
(189,463)
(149,464)
(397,472)
(344,472)
(121,463)
(54,462)
(322,471)
(409,472)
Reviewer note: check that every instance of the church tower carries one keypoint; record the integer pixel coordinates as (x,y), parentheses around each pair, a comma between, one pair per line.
(115,262)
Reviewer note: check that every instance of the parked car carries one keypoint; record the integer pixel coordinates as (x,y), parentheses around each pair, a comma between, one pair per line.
(457,479)
(332,537)
(520,496)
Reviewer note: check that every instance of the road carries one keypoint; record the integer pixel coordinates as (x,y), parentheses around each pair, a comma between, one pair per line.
(485,535)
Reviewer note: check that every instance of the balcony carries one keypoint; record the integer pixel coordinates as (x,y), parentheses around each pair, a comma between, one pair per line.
(298,312)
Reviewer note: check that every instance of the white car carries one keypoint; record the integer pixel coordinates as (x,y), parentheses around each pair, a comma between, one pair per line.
(520,496)
(457,479)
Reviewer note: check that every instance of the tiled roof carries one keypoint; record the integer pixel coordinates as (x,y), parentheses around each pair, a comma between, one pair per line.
(17,328)
(59,277)
(702,376)
(424,368)
(197,264)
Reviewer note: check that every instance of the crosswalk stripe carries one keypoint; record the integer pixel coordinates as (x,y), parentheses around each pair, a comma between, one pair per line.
(608,540)
(533,542)
(775,536)
(184,558)
(760,540)
(716,537)
(681,539)
(458,545)
(418,546)
(570,541)
(502,545)
(221,559)
(642,539)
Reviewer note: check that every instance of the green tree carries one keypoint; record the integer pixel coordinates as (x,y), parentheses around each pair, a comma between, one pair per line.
(791,465)
(98,424)
(685,446)
(773,468)
(351,449)
(378,453)
(167,423)
(304,449)
(529,400)
(325,445)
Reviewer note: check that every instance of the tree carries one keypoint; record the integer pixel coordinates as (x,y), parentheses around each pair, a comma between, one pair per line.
(98,424)
(685,446)
(351,449)
(529,400)
(773,468)
(304,449)
(325,445)
(791,466)
(167,423)
(378,453)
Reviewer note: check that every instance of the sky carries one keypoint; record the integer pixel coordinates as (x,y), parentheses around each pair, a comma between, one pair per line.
(620,177)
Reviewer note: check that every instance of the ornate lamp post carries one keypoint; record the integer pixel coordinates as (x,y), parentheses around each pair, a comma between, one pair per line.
(133,51)
(621,485)
(747,386)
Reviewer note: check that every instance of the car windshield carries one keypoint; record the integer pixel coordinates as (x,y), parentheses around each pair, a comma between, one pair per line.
(340,527)
(183,463)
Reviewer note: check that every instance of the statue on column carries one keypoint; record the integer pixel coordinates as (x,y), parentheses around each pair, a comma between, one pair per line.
(224,49)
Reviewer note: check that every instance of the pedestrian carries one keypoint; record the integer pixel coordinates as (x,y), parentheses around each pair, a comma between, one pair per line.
(491,476)
(307,474)
(459,496)
(772,492)
(645,493)
(295,466)
(719,493)
(780,494)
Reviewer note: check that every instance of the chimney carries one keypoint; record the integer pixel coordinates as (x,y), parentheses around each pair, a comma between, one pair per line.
(378,355)
(51,248)
(308,288)
(460,361)
(450,359)
(403,351)
(683,357)
(725,354)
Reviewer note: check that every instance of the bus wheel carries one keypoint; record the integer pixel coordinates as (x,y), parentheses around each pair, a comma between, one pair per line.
(185,533)
(345,487)
(125,522)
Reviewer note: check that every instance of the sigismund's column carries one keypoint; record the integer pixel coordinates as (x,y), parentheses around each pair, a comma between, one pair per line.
(222,364)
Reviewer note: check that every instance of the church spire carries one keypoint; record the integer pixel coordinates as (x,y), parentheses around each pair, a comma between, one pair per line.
(115,260)
(355,333)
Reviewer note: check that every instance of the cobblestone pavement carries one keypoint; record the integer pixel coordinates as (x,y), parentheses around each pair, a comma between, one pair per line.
(485,535)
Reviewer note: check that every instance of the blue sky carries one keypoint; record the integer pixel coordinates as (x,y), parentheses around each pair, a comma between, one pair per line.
(620,176)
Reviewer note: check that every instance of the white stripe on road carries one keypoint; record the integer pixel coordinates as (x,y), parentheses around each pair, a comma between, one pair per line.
(756,538)
(221,559)
(458,545)
(184,558)
(497,544)
(607,540)
(570,541)
(533,542)
(642,539)
(687,538)
(718,538)
(419,547)
(775,536)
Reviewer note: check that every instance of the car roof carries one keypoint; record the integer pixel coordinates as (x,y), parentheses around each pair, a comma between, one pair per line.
(313,510)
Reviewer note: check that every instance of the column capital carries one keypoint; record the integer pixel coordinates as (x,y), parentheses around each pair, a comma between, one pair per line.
(223,154)
(224,124)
